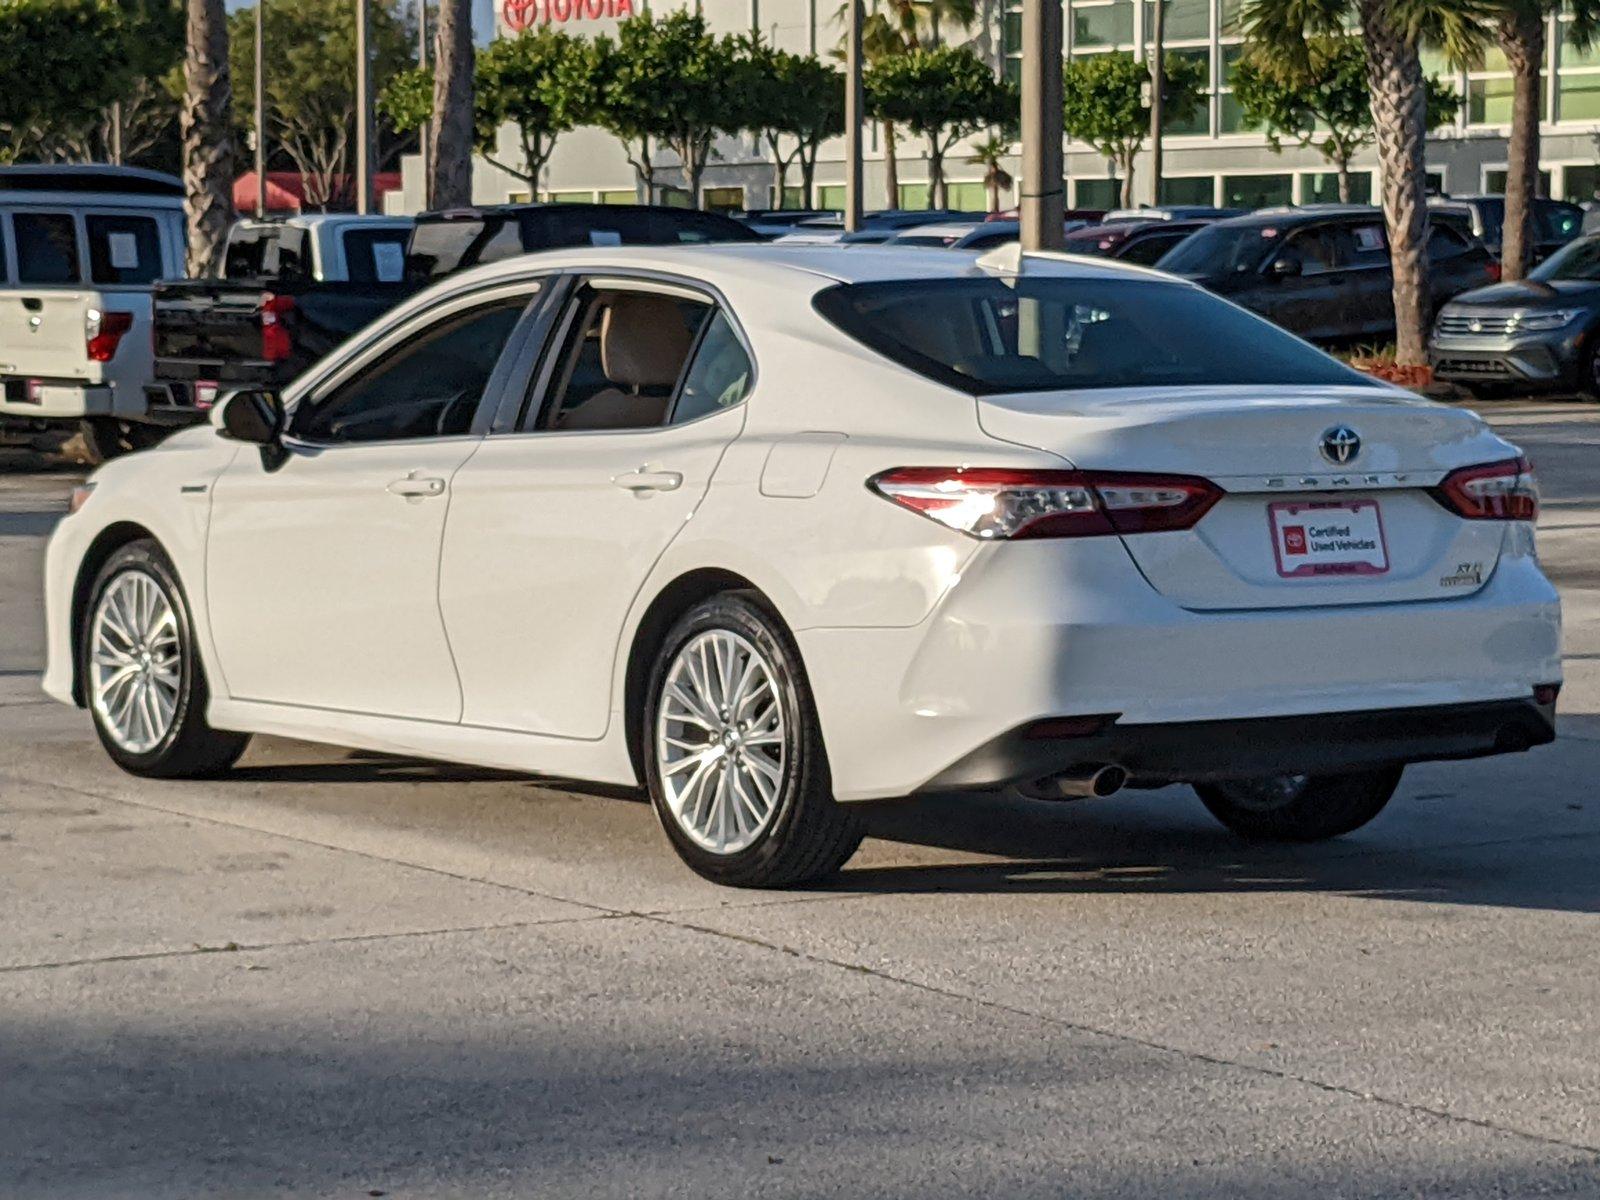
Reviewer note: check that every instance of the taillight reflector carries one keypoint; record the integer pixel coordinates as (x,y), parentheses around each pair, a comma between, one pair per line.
(103,333)
(1497,491)
(276,342)
(989,502)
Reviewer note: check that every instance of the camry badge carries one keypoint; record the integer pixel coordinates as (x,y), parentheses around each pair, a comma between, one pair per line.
(1340,445)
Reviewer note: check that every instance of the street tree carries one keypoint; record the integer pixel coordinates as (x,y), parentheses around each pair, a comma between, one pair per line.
(543,82)
(990,154)
(1391,32)
(1519,27)
(62,62)
(452,130)
(943,94)
(1321,103)
(206,125)
(311,82)
(1104,103)
(793,103)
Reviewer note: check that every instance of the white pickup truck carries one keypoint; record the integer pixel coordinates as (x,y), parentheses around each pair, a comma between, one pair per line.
(80,250)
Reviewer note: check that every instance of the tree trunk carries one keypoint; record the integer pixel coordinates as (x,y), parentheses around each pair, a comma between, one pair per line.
(206,123)
(891,168)
(451,131)
(1127,200)
(1399,117)
(808,171)
(937,193)
(1522,35)
(991,181)
(1344,181)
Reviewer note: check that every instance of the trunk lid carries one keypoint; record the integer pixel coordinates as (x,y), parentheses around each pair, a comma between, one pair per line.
(1294,528)
(42,334)
(208,320)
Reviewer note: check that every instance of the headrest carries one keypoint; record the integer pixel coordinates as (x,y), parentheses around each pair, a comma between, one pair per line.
(643,341)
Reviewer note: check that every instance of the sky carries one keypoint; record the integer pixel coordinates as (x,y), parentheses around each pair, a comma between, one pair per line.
(482,16)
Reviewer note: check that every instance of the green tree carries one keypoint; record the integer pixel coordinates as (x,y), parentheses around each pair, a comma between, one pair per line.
(668,80)
(1103,103)
(1391,32)
(543,82)
(991,154)
(943,94)
(61,61)
(793,103)
(1322,102)
(1519,27)
(311,82)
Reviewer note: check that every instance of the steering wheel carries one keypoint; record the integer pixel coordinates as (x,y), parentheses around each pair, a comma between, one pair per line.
(441,423)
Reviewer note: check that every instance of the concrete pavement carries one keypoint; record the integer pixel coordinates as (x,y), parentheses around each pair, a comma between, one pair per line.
(336,974)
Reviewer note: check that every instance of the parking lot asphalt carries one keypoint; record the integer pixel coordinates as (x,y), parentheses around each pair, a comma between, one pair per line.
(339,974)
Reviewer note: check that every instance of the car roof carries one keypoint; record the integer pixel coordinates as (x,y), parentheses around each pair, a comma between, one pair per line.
(1290,217)
(88,177)
(947,229)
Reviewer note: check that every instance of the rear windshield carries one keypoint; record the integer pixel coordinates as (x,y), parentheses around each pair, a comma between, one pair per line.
(267,252)
(987,336)
(47,248)
(1223,250)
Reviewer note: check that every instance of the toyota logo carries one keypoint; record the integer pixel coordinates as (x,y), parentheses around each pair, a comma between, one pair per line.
(1340,445)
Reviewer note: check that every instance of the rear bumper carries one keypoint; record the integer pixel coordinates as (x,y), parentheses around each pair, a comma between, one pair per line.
(64,401)
(1319,743)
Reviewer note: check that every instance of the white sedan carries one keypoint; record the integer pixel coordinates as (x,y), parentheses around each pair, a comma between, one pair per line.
(774,530)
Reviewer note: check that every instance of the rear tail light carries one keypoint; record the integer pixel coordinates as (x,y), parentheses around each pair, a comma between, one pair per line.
(1492,270)
(102,332)
(989,502)
(1498,491)
(276,343)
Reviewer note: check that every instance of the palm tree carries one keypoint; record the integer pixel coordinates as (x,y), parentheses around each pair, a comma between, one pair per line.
(206,125)
(450,155)
(1392,31)
(988,155)
(1519,26)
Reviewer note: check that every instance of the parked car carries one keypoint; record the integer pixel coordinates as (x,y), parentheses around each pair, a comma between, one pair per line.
(1555,222)
(452,240)
(964,235)
(775,222)
(876,227)
(771,531)
(1541,333)
(1089,216)
(1171,212)
(288,290)
(80,249)
(1324,273)
(1142,242)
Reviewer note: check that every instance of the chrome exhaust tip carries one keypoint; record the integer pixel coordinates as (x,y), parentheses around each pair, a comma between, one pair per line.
(1084,782)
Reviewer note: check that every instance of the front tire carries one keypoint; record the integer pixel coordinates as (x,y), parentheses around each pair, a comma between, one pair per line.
(1300,808)
(143,680)
(733,752)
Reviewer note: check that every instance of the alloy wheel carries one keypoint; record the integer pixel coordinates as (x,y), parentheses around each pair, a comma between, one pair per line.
(135,662)
(721,741)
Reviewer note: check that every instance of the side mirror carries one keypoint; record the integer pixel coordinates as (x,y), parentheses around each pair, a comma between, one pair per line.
(1284,268)
(253,415)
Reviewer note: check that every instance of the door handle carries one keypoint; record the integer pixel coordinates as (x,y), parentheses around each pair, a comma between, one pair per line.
(414,487)
(649,481)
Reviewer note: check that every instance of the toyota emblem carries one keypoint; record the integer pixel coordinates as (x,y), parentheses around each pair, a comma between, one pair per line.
(1340,445)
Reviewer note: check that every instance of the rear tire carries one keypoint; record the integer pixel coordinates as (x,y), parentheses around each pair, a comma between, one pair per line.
(1300,808)
(143,680)
(1589,382)
(733,751)
(105,438)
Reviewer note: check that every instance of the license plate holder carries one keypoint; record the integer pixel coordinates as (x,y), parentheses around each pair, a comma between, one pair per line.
(1314,539)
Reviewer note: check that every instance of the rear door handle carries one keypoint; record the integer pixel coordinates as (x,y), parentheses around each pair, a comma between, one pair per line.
(415,487)
(649,481)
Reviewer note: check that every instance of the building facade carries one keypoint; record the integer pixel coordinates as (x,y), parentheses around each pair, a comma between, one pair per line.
(1210,158)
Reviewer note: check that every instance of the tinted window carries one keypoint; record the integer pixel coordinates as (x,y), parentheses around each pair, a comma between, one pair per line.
(267,252)
(428,387)
(718,376)
(375,255)
(47,248)
(438,248)
(1314,251)
(123,249)
(1445,242)
(1575,260)
(1364,245)
(973,334)
(1221,250)
(1148,250)
(1557,222)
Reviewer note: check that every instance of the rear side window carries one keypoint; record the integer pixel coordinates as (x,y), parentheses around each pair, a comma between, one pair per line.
(718,376)
(1149,250)
(375,255)
(123,250)
(1444,242)
(47,248)
(989,336)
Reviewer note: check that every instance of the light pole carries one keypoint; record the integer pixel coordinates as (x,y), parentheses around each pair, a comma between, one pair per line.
(1042,207)
(1158,87)
(422,61)
(363,112)
(853,104)
(260,86)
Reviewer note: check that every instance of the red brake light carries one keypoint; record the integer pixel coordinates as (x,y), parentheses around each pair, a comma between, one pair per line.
(989,502)
(103,333)
(1497,491)
(276,342)
(1492,270)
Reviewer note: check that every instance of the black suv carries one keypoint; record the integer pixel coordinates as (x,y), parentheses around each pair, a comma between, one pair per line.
(1324,274)
(449,241)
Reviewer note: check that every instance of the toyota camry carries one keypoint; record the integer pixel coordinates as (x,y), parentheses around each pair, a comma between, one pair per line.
(771,531)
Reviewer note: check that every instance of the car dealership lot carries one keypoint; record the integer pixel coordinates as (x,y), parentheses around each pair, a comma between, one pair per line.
(339,974)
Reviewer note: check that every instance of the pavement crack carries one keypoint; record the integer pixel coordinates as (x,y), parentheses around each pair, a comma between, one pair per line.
(1197,1056)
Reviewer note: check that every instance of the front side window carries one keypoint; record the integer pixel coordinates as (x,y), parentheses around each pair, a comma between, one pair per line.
(989,336)
(1224,250)
(1575,260)
(47,248)
(123,250)
(428,386)
(375,255)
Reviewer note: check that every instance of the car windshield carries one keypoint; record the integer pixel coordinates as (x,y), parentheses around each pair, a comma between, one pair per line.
(993,335)
(1575,260)
(1221,250)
